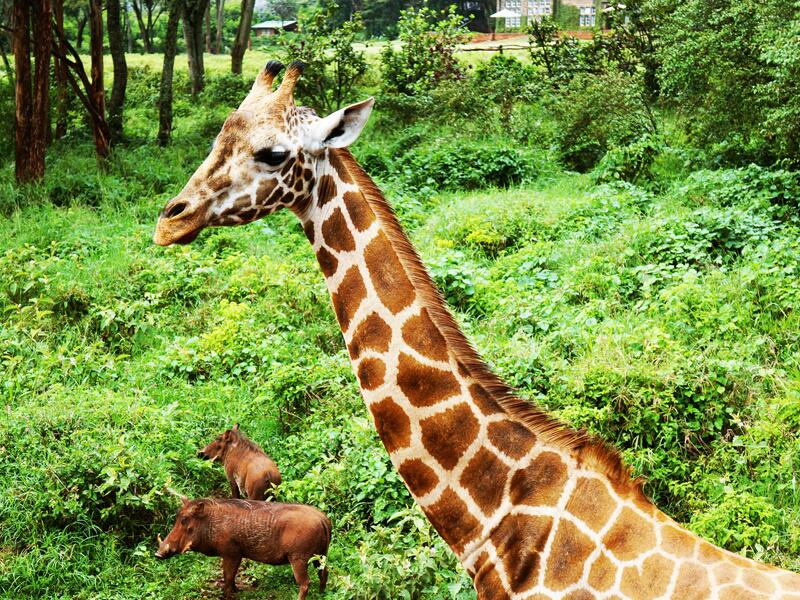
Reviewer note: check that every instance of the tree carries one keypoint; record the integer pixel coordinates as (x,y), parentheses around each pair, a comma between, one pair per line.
(194,12)
(147,14)
(165,90)
(220,15)
(89,91)
(242,36)
(31,21)
(285,10)
(333,67)
(60,75)
(116,45)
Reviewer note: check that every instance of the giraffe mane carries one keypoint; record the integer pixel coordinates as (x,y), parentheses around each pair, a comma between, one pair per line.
(585,447)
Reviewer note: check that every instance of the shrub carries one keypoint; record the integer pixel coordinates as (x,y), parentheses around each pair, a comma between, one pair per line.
(333,67)
(631,163)
(465,166)
(505,81)
(226,89)
(596,113)
(427,56)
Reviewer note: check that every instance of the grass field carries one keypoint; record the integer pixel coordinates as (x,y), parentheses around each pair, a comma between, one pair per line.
(662,317)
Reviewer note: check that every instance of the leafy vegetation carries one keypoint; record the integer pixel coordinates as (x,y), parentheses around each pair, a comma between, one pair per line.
(651,298)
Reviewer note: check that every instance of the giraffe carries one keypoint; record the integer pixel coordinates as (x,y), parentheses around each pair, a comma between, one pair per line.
(532,508)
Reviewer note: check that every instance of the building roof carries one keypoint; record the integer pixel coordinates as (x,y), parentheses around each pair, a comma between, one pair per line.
(272,24)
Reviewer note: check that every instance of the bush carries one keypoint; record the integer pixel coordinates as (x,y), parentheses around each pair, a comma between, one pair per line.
(227,90)
(465,167)
(427,56)
(596,113)
(333,67)
(631,163)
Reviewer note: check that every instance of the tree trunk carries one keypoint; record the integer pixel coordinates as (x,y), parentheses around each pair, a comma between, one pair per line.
(42,32)
(24,170)
(128,28)
(143,30)
(32,119)
(97,92)
(61,76)
(81,26)
(220,22)
(193,13)
(207,20)
(84,88)
(165,91)
(116,103)
(242,37)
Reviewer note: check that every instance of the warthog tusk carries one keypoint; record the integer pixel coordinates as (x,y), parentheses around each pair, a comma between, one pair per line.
(158,539)
(187,547)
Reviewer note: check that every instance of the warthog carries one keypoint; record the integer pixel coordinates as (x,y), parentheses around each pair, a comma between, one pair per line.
(269,532)
(250,471)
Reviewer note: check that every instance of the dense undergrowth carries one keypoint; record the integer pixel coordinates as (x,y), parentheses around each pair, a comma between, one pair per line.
(652,300)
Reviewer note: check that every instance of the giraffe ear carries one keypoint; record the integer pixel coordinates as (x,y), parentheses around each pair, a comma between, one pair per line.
(339,129)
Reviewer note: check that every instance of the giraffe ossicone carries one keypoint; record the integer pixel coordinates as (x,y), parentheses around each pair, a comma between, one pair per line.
(532,508)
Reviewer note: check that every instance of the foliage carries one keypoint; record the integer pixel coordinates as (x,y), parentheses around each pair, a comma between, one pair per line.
(505,81)
(596,113)
(334,67)
(730,68)
(427,56)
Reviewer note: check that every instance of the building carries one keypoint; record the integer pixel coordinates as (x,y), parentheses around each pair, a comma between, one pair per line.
(587,10)
(529,9)
(273,27)
(536,9)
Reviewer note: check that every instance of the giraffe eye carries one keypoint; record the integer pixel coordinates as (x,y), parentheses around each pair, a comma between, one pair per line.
(271,156)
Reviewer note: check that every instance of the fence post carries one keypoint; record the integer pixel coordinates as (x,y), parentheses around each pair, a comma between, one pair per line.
(500,47)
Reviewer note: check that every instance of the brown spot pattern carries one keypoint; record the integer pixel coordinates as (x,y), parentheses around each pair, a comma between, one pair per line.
(348,296)
(392,424)
(451,518)
(422,335)
(629,536)
(308,229)
(487,581)
(424,385)
(481,397)
(336,233)
(420,478)
(519,540)
(677,542)
(327,261)
(265,188)
(602,573)
(447,435)
(591,503)
(569,552)
(372,333)
(371,373)
(649,581)
(511,438)
(541,482)
(218,183)
(326,189)
(693,584)
(388,275)
(485,479)
(359,210)
(341,169)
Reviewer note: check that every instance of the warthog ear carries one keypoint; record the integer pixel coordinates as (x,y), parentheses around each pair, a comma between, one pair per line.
(198,510)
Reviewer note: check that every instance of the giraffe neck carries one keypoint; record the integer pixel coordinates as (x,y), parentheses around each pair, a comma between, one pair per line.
(527,505)
(451,428)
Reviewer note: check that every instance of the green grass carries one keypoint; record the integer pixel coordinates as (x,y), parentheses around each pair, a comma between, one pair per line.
(661,317)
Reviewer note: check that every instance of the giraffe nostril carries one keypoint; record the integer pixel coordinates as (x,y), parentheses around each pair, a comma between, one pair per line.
(176,209)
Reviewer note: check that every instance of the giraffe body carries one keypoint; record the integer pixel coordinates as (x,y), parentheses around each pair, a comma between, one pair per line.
(531,508)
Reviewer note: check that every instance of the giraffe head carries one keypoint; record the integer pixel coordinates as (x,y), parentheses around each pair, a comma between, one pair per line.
(266,157)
